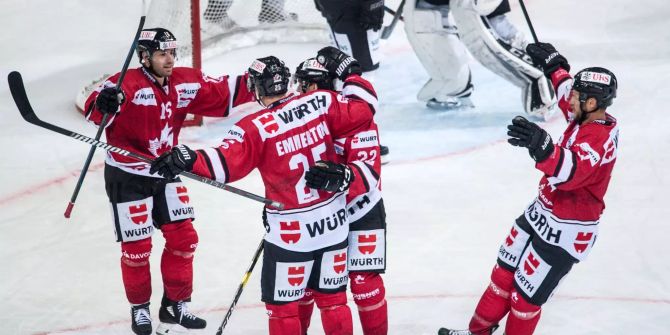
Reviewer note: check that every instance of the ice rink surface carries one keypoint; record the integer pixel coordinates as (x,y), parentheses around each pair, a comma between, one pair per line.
(452,190)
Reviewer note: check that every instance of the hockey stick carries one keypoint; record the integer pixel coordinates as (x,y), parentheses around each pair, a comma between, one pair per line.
(23,104)
(245,279)
(105,118)
(530,24)
(397,15)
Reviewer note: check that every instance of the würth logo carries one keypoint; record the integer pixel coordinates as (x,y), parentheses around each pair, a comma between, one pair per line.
(289,231)
(531,264)
(269,123)
(582,241)
(367,244)
(511,237)
(139,213)
(182,194)
(340,262)
(296,274)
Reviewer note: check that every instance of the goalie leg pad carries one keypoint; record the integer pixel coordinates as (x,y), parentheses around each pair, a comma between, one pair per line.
(335,314)
(181,240)
(501,58)
(495,302)
(369,295)
(440,52)
(283,319)
(135,270)
(523,317)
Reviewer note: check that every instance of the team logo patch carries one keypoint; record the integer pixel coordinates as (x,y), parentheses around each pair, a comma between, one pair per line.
(531,264)
(268,123)
(296,275)
(582,241)
(367,244)
(510,238)
(340,262)
(182,194)
(289,231)
(145,97)
(138,214)
(366,139)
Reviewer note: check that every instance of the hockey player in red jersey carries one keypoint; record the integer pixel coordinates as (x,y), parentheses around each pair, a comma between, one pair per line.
(558,229)
(146,118)
(291,143)
(366,215)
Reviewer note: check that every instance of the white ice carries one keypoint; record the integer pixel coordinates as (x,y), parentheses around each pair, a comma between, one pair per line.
(452,190)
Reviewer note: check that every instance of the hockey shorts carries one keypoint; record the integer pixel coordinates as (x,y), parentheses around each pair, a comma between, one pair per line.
(287,274)
(140,204)
(367,241)
(537,265)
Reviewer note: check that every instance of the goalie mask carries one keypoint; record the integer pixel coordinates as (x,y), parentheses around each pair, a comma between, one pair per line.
(312,72)
(152,40)
(268,76)
(596,82)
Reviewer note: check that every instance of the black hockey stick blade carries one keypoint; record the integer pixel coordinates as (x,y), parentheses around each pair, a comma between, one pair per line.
(18,91)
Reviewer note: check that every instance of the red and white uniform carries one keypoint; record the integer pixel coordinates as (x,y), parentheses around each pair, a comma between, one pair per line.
(151,116)
(283,141)
(576,176)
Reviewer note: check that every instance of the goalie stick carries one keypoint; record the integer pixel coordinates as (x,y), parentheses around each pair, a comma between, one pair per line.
(105,118)
(23,104)
(397,15)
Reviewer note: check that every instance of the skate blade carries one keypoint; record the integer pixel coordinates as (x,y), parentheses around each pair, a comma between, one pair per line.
(171,329)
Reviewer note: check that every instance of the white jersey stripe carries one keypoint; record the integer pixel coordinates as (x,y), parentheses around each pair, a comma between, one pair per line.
(565,170)
(352,89)
(217,166)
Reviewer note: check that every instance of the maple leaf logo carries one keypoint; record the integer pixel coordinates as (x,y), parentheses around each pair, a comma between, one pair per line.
(159,145)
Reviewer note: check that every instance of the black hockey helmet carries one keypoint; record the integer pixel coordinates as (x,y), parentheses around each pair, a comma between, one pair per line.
(596,82)
(269,76)
(155,39)
(312,72)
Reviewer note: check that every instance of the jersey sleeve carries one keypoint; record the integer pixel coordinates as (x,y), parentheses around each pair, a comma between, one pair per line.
(562,82)
(352,111)
(92,113)
(239,153)
(218,96)
(569,169)
(361,153)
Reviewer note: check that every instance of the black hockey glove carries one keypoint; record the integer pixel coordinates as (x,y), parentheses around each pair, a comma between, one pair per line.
(371,14)
(108,101)
(170,164)
(338,63)
(545,56)
(329,176)
(524,133)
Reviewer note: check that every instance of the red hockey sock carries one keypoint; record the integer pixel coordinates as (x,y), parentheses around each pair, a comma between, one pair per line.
(135,270)
(523,317)
(494,303)
(177,260)
(335,314)
(283,319)
(305,309)
(369,296)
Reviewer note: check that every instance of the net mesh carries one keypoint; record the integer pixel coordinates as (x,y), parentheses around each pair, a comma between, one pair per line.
(232,24)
